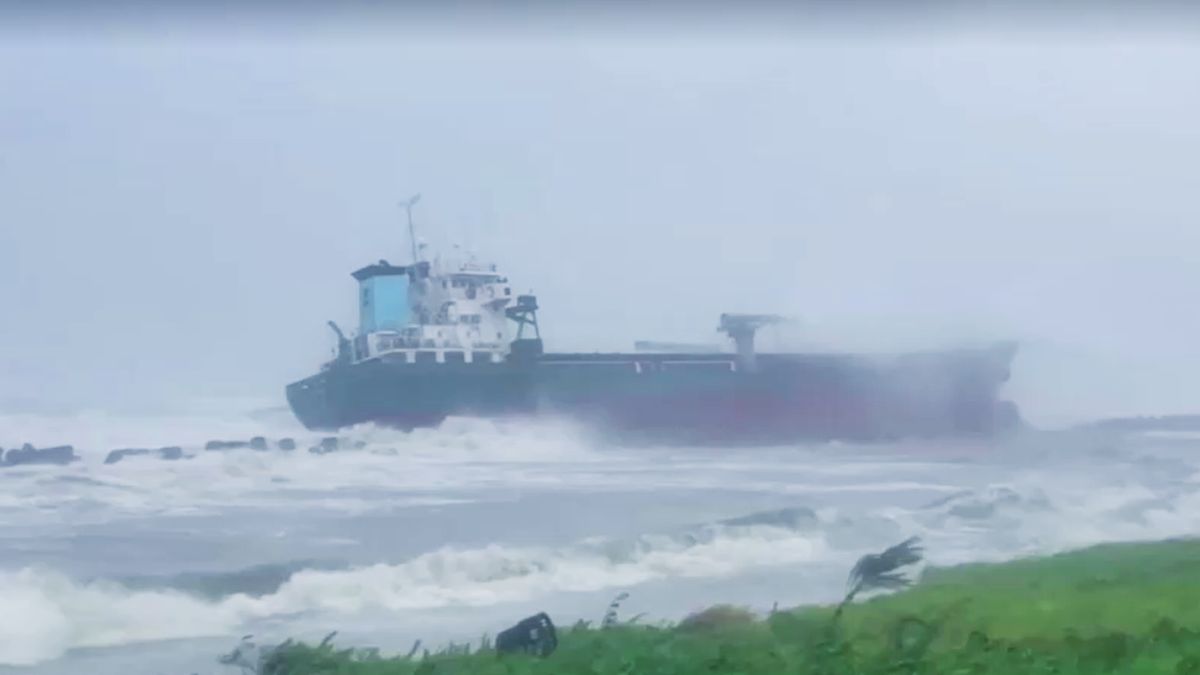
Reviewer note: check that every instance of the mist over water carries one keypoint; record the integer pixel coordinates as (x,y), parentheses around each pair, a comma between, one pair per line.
(181,211)
(184,192)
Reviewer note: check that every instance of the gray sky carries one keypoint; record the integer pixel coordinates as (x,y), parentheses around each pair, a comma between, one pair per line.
(179,214)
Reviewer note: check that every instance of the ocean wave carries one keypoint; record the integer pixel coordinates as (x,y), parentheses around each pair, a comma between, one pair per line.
(1037,502)
(254,581)
(94,433)
(989,503)
(1050,514)
(399,468)
(46,613)
(55,613)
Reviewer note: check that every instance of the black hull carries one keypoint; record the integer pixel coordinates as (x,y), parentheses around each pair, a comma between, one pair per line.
(703,399)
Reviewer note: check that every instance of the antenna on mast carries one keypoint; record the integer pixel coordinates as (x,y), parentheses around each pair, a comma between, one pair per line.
(412,237)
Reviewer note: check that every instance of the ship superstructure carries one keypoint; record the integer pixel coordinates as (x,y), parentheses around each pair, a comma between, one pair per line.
(438,312)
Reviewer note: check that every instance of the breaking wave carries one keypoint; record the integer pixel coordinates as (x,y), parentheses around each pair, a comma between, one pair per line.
(254,581)
(1001,522)
(414,469)
(94,433)
(994,508)
(55,613)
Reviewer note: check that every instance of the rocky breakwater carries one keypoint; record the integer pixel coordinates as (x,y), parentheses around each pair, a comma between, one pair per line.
(29,455)
(65,454)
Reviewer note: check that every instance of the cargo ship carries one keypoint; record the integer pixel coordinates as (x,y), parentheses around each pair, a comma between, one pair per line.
(439,339)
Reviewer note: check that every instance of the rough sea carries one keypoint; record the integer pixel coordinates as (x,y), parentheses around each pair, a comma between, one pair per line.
(158,567)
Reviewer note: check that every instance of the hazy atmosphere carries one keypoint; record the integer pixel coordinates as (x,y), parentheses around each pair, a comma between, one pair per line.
(179,215)
(184,195)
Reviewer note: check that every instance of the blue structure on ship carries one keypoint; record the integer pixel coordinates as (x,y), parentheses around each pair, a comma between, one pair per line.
(382,298)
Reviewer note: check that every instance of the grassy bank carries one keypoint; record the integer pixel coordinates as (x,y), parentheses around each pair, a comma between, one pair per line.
(1117,608)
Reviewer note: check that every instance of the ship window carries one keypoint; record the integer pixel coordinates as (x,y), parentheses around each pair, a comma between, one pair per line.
(443,283)
(498,336)
(366,297)
(507,291)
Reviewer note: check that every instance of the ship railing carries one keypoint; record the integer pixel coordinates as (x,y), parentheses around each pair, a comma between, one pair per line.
(400,344)
(415,351)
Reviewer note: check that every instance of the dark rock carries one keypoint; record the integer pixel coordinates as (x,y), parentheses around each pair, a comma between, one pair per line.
(62,454)
(328,444)
(225,445)
(169,453)
(258,443)
(534,635)
(117,455)
(287,444)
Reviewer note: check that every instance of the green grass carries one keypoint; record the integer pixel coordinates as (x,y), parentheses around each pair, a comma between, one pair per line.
(1130,609)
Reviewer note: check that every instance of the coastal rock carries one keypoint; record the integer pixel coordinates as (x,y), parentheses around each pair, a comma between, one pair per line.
(117,455)
(62,454)
(328,444)
(170,453)
(258,443)
(287,444)
(225,445)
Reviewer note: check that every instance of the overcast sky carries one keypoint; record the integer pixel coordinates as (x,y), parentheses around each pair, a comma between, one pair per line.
(179,214)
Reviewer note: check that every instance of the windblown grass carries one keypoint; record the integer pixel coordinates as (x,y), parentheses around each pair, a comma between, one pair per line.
(1131,609)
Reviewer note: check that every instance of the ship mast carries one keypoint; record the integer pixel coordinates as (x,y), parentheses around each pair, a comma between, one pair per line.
(412,237)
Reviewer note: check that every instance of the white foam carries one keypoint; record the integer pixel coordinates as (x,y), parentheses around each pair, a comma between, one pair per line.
(44,614)
(53,613)
(94,432)
(1000,521)
(462,455)
(1014,504)
(1051,512)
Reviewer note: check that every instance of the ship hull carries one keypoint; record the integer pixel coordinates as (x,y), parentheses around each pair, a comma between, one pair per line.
(695,398)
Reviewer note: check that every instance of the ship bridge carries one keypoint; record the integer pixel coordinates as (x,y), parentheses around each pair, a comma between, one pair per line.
(430,312)
(452,310)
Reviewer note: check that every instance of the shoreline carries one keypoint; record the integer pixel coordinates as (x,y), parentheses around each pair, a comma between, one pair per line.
(1124,607)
